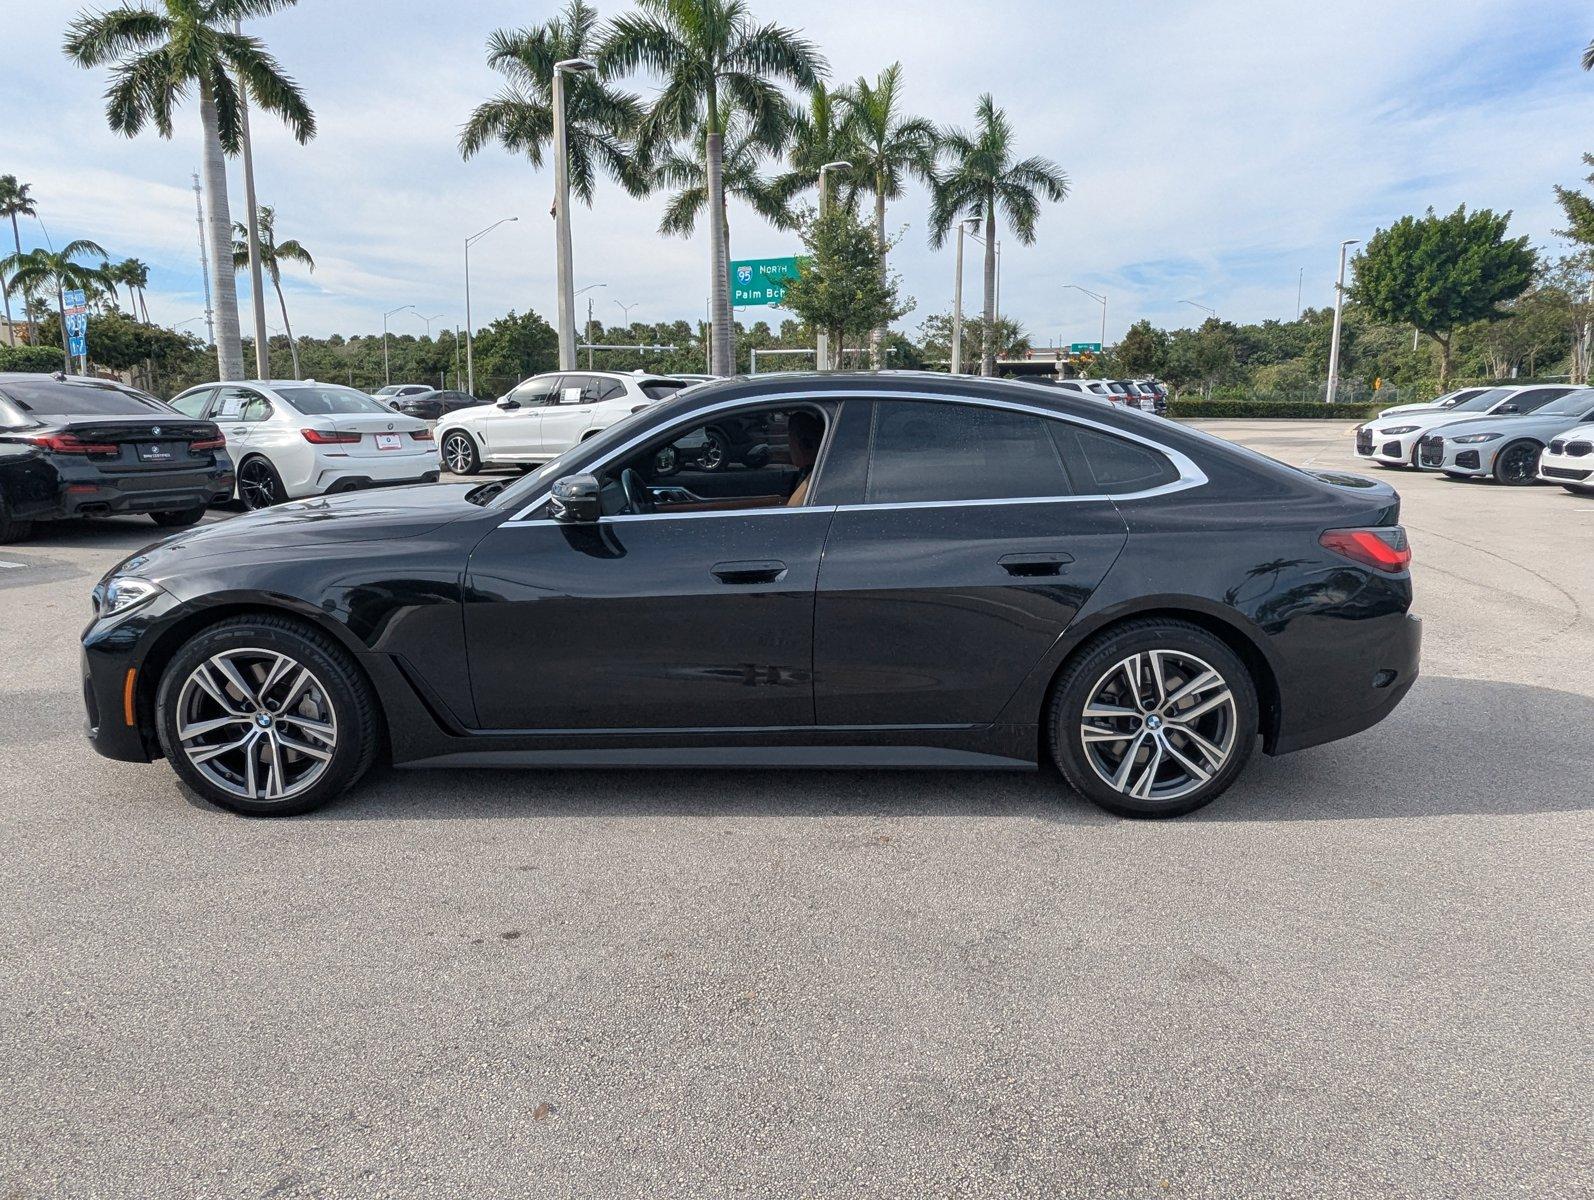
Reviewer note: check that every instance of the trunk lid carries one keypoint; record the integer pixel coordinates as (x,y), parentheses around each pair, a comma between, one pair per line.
(382,435)
(1379,503)
(143,444)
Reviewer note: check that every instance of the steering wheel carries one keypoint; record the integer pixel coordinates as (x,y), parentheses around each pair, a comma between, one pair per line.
(637,499)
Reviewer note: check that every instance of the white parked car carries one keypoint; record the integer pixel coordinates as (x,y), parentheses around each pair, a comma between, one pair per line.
(291,438)
(1569,460)
(1448,400)
(544,416)
(1113,391)
(1392,441)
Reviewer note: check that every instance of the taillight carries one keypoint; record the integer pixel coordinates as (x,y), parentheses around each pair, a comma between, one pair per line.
(421,435)
(329,437)
(1382,547)
(216,443)
(66,443)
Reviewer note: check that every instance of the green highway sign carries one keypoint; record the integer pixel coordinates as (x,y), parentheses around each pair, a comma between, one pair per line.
(1084,347)
(760,280)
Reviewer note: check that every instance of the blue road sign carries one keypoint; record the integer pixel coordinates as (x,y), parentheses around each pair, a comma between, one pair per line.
(77,331)
(75,302)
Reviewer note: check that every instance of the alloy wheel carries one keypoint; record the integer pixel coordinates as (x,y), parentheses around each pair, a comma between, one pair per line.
(256,724)
(457,453)
(1158,725)
(1519,463)
(257,484)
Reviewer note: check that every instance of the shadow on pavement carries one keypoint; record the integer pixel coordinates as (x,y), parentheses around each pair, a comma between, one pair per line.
(1455,748)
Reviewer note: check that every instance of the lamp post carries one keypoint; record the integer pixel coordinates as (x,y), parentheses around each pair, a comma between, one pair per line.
(822,358)
(588,329)
(1101,300)
(429,320)
(1211,312)
(470,362)
(561,205)
(386,375)
(957,299)
(1339,310)
(625,310)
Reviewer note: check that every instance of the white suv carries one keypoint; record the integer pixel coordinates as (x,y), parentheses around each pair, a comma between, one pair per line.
(544,416)
(291,439)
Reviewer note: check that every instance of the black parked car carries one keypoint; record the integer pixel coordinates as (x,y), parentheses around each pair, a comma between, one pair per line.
(933,571)
(431,405)
(72,447)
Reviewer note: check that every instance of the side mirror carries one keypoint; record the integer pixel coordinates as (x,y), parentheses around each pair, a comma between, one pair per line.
(575,500)
(1508,408)
(507,402)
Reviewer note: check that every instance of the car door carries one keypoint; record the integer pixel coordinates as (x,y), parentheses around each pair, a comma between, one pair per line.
(512,428)
(966,553)
(1531,399)
(239,412)
(570,414)
(694,620)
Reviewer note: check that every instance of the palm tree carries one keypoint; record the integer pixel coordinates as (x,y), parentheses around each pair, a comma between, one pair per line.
(820,134)
(745,149)
(706,51)
(15,202)
(159,55)
(887,147)
(272,255)
(49,270)
(135,273)
(982,179)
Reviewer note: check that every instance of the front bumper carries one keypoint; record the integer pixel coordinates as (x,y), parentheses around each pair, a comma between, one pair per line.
(118,701)
(1391,451)
(1565,467)
(1476,458)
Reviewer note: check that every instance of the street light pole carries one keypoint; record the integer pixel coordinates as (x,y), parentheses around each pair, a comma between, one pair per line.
(1101,300)
(625,309)
(587,333)
(1211,312)
(470,361)
(387,376)
(1339,309)
(561,205)
(957,302)
(822,358)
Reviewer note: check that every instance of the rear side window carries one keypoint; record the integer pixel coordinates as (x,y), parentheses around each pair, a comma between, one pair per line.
(1101,464)
(923,451)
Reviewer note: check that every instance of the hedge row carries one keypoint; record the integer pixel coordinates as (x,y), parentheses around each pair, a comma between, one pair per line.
(1295,410)
(30,358)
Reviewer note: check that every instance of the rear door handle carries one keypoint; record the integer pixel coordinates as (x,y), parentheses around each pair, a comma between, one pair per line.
(1031,565)
(764,570)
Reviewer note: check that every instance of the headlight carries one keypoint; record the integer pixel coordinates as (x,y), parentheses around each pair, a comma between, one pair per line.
(1472,439)
(125,592)
(1397,430)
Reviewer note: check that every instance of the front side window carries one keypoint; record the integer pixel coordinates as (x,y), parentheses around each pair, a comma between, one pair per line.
(192,404)
(535,393)
(928,451)
(1536,398)
(240,404)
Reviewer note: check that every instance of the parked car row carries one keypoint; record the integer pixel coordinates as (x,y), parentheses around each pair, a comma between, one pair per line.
(1514,435)
(1145,394)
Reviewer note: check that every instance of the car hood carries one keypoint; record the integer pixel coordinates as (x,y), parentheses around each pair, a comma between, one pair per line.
(1399,409)
(379,515)
(1422,419)
(1528,425)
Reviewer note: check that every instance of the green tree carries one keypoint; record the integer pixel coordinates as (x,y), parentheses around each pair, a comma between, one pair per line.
(935,338)
(162,54)
(15,202)
(272,255)
(1436,273)
(890,146)
(55,271)
(843,288)
(983,180)
(1142,350)
(684,170)
(820,134)
(706,50)
(599,118)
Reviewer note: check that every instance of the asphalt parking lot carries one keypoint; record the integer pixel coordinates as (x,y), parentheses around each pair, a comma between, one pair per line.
(1363,972)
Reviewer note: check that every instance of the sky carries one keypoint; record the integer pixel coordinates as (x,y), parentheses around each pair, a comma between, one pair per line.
(1215,151)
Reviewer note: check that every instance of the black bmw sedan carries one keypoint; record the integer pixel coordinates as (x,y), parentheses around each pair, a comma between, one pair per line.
(928,571)
(82,447)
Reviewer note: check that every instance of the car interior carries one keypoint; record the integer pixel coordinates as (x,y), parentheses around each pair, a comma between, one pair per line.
(760,458)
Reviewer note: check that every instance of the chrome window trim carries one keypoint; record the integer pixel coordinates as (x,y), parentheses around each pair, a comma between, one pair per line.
(1190,475)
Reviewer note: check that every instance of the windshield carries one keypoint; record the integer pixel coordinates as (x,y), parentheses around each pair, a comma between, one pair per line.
(1483,401)
(47,397)
(1573,404)
(330,401)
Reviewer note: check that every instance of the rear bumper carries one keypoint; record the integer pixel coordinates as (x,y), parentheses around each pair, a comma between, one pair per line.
(373,473)
(81,490)
(1371,678)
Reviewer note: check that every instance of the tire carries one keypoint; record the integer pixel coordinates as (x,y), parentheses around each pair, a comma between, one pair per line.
(11,529)
(259,485)
(717,454)
(1517,464)
(180,518)
(459,453)
(1096,674)
(334,717)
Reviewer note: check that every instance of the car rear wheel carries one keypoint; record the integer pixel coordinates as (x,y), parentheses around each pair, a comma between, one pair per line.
(266,716)
(1153,719)
(1518,464)
(179,518)
(11,529)
(259,485)
(459,454)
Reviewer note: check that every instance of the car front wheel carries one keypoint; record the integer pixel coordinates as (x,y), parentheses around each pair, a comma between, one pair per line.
(1518,464)
(266,716)
(459,454)
(1153,719)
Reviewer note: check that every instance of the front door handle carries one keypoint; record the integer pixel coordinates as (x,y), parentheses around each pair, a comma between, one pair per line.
(1026,566)
(764,570)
